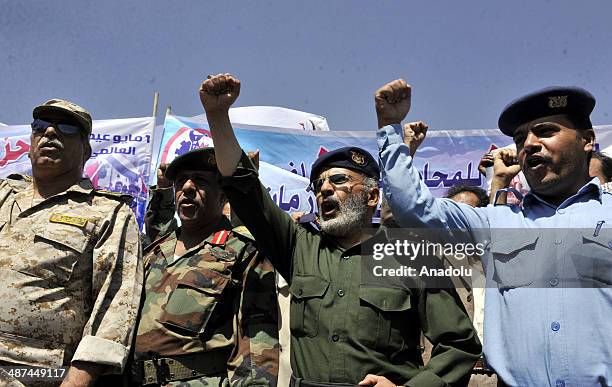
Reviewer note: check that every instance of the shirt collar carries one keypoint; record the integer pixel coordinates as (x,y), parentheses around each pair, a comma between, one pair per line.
(593,187)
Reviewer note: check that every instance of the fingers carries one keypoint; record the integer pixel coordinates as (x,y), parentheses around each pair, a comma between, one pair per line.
(394,91)
(220,84)
(369,380)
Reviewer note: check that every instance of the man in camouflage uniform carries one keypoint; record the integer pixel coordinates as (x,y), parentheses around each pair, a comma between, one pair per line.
(345,331)
(209,316)
(69,258)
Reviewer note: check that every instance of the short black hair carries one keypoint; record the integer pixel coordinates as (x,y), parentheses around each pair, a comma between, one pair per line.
(481,194)
(606,164)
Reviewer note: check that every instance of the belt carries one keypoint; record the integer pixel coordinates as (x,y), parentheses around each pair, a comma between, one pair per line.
(481,368)
(159,369)
(299,382)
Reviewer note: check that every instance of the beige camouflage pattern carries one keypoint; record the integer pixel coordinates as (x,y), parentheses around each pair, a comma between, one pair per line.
(72,276)
(219,296)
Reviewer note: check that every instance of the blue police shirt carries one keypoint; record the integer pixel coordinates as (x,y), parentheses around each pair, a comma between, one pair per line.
(540,328)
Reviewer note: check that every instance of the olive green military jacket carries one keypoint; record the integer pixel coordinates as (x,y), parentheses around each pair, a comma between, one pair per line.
(343,329)
(71,275)
(218,300)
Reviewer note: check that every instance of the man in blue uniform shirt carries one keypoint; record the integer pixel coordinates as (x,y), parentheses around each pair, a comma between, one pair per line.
(549,295)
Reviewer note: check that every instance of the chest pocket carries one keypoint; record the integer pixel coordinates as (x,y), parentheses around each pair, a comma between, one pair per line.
(192,303)
(56,251)
(307,292)
(514,257)
(383,317)
(592,259)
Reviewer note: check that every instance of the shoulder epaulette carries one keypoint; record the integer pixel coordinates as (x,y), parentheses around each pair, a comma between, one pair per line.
(113,195)
(243,231)
(18,181)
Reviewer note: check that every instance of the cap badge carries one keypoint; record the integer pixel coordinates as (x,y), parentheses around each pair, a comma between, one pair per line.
(358,158)
(557,101)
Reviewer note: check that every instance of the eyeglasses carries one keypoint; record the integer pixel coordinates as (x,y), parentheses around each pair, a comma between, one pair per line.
(40,126)
(336,179)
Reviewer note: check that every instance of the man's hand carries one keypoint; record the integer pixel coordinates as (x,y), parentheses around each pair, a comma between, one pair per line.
(392,102)
(377,381)
(414,134)
(218,93)
(505,165)
(485,162)
(162,182)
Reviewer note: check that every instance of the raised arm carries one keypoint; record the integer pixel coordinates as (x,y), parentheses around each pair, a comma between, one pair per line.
(410,200)
(505,167)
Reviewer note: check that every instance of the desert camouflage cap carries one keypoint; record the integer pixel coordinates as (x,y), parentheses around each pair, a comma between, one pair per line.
(57,105)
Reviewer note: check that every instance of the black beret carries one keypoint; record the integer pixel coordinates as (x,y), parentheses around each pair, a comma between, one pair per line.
(349,157)
(568,100)
(197,159)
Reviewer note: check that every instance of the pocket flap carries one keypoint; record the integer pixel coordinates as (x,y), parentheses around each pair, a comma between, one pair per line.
(385,299)
(71,237)
(510,242)
(306,286)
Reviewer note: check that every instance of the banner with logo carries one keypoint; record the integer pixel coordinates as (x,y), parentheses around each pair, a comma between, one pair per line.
(120,160)
(446,158)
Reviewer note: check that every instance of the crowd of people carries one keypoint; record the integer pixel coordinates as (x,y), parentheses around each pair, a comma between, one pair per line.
(239,293)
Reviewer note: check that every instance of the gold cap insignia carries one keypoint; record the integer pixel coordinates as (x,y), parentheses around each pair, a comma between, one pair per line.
(358,158)
(557,101)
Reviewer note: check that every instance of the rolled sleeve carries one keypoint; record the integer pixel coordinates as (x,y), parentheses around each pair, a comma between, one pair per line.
(117,280)
(97,350)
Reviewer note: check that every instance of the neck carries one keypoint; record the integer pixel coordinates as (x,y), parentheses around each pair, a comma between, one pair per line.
(45,188)
(354,238)
(192,235)
(556,200)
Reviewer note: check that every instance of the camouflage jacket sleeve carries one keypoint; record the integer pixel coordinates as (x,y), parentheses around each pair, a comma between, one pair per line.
(255,358)
(276,234)
(159,217)
(117,280)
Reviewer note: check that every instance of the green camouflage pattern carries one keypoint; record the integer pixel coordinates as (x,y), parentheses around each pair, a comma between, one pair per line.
(72,276)
(159,218)
(219,295)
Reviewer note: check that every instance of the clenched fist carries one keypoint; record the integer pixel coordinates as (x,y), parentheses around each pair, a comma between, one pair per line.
(505,164)
(218,93)
(392,102)
(414,134)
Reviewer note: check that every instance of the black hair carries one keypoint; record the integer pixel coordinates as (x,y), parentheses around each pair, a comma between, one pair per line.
(481,194)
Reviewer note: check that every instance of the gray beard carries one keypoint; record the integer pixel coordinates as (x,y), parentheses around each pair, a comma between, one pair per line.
(352,215)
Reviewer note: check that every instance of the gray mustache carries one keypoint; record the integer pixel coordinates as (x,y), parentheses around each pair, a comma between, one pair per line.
(54,142)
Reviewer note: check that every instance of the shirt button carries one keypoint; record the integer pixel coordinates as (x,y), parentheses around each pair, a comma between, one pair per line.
(469,298)
(560,383)
(555,326)
(335,338)
(554,282)
(341,292)
(300,292)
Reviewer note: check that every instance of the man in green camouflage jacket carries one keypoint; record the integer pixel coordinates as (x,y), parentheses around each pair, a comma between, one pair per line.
(209,315)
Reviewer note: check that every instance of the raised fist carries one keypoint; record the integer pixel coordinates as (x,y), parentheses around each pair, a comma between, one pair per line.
(414,134)
(218,93)
(162,182)
(505,164)
(485,162)
(392,102)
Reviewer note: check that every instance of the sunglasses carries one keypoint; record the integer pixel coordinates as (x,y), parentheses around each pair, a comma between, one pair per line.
(40,126)
(336,179)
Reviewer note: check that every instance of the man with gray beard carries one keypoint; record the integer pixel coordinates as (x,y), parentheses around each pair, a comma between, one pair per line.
(345,328)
